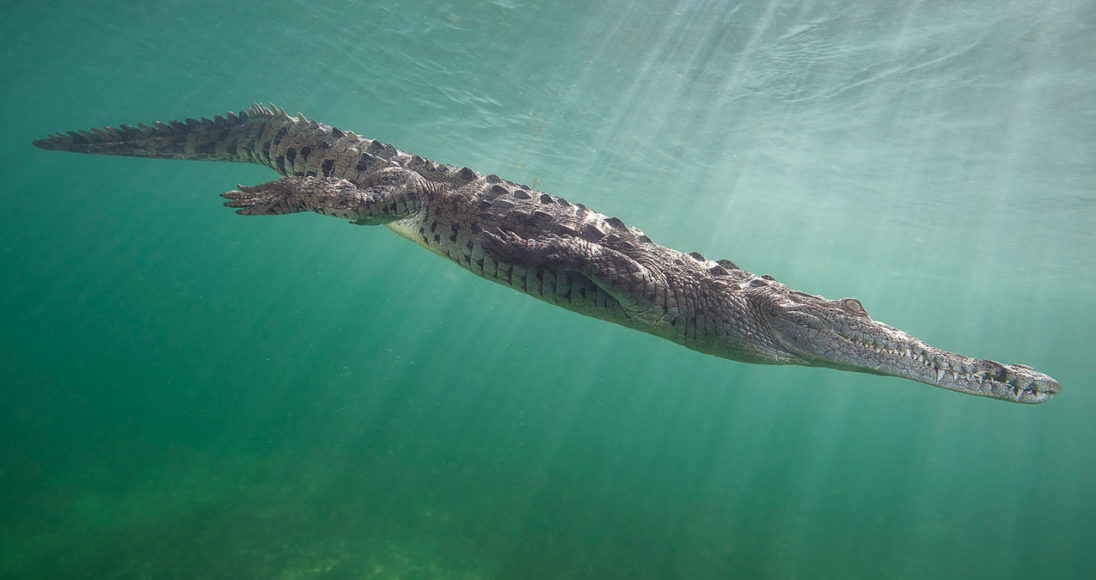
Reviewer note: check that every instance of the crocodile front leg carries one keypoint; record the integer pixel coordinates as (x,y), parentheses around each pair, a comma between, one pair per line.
(620,276)
(390,194)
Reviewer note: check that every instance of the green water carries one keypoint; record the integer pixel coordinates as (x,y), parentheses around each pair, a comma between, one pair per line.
(188,393)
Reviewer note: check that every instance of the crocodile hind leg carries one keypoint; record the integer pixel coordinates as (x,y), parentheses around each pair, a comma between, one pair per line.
(387,195)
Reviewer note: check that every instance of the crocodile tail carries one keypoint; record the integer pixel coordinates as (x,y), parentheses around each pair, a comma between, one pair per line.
(246,137)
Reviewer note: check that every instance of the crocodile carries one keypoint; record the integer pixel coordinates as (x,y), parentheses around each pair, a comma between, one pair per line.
(554,250)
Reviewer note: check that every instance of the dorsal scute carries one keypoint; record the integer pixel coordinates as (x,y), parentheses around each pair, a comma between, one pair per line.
(266,110)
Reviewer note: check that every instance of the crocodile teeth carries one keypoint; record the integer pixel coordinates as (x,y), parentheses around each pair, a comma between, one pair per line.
(940,374)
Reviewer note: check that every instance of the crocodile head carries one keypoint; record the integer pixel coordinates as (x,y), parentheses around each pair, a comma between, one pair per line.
(813,331)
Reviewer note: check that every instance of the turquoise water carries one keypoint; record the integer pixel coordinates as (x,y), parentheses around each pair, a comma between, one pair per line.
(191,393)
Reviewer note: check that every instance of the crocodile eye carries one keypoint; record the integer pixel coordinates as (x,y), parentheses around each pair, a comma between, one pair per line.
(854,306)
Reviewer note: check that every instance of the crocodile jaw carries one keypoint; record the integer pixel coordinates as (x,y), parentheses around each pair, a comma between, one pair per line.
(839,334)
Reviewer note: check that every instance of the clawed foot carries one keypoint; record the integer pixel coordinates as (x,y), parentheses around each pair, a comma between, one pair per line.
(271,198)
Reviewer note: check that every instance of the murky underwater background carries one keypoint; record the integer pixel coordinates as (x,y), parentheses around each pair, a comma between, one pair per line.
(190,393)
